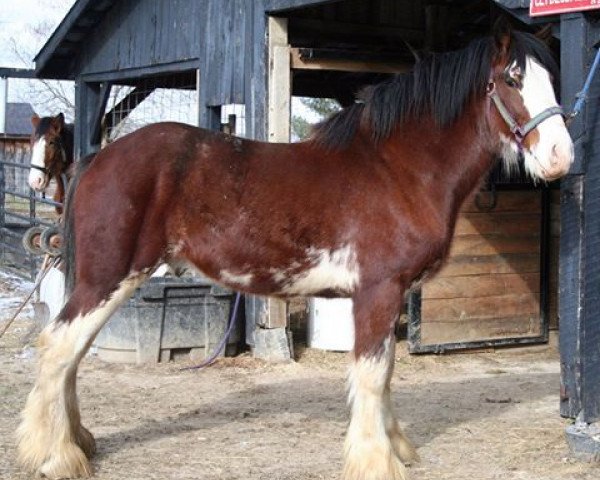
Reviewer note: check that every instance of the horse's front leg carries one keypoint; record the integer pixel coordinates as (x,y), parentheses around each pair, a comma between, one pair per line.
(375,448)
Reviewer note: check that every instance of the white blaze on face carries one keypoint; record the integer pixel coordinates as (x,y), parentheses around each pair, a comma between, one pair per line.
(552,156)
(330,270)
(37,179)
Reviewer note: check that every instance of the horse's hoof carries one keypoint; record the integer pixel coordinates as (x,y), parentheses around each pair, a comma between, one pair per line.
(402,446)
(68,462)
(372,461)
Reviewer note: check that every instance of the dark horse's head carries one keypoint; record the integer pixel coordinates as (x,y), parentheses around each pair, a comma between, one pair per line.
(52,150)
(503,83)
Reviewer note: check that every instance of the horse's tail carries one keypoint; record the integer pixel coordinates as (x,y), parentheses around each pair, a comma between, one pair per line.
(68,253)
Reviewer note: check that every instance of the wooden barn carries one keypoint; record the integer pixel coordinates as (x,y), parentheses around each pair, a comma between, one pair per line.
(15,152)
(15,129)
(502,284)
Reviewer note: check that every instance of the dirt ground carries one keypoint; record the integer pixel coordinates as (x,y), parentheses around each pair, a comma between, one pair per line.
(481,416)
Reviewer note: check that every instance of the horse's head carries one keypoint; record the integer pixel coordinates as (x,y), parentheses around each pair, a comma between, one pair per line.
(524,109)
(48,155)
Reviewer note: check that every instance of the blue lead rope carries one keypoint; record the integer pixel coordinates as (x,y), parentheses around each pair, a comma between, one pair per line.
(583,94)
(232,320)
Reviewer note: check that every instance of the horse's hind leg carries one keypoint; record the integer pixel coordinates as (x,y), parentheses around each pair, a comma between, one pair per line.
(375,448)
(52,440)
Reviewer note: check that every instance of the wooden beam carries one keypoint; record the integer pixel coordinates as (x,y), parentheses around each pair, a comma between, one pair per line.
(121,110)
(279,122)
(352,30)
(280,6)
(98,112)
(300,63)
(16,73)
(280,82)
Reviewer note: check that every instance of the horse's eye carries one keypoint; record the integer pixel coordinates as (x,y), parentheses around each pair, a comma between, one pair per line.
(513,77)
(514,81)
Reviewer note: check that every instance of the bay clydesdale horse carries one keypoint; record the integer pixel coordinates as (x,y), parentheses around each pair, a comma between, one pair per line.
(364,209)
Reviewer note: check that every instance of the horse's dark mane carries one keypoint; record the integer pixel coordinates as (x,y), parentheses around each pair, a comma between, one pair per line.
(42,126)
(440,85)
(46,122)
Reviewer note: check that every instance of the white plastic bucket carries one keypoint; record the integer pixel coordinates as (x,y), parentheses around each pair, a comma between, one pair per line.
(331,324)
(52,293)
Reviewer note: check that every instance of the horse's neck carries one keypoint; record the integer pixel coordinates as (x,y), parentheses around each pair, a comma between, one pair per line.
(471,160)
(457,156)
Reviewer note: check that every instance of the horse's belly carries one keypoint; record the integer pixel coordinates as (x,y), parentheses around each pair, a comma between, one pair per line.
(331,271)
(321,272)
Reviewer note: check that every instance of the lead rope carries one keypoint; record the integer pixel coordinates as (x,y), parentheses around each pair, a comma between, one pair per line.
(582,96)
(232,320)
(47,265)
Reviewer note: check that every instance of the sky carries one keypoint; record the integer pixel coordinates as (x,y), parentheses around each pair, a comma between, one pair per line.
(18,18)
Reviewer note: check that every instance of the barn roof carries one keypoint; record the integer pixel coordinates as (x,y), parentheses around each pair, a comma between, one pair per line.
(57,56)
(55,59)
(18,119)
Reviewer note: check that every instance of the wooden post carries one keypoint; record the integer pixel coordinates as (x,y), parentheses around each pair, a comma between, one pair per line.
(90,106)
(271,339)
(280,81)
(209,116)
(579,283)
(2,198)
(279,120)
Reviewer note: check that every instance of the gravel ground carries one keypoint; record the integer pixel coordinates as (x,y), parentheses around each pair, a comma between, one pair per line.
(483,416)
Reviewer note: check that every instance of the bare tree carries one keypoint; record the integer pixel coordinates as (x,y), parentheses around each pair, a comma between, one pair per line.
(50,97)
(46,96)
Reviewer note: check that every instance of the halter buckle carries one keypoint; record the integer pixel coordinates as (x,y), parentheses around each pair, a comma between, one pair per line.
(519,131)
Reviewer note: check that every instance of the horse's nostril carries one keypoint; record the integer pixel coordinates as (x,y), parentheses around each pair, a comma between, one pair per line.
(37,183)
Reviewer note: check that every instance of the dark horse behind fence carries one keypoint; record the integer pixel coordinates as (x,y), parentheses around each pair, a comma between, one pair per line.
(364,209)
(51,155)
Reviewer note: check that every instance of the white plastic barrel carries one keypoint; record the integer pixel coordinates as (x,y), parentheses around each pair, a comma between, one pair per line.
(52,293)
(331,324)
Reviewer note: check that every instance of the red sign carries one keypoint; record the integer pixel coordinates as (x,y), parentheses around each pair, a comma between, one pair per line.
(552,7)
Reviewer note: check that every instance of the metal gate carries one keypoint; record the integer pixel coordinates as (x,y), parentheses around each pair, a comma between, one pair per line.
(20,208)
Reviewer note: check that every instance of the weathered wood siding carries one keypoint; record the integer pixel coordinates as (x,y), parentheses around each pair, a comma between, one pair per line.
(490,287)
(145,33)
(15,150)
(227,45)
(218,34)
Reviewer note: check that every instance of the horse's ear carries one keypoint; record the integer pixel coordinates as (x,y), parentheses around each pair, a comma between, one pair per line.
(59,122)
(35,120)
(502,32)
